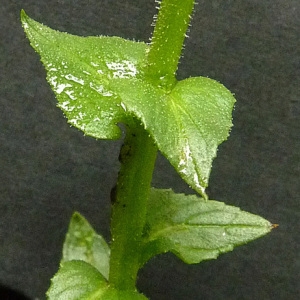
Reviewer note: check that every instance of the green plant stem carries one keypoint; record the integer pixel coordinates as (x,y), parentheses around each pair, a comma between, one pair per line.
(167,41)
(138,153)
(137,158)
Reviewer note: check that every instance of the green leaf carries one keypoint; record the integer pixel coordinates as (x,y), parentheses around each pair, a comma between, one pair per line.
(195,229)
(79,280)
(83,243)
(187,124)
(79,71)
(113,294)
(100,82)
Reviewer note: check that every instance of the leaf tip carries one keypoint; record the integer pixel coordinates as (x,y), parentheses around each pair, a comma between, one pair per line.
(24,19)
(76,214)
(273,226)
(23,15)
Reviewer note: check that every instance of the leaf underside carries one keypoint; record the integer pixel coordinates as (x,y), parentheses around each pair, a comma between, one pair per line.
(99,83)
(195,229)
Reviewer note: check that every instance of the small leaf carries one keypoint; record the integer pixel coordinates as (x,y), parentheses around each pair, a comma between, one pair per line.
(195,229)
(83,243)
(79,280)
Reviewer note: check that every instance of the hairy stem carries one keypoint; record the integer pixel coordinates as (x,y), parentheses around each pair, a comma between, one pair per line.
(167,41)
(138,153)
(137,158)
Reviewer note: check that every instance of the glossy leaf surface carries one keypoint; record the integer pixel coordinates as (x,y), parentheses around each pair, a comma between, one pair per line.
(99,83)
(79,280)
(83,243)
(79,71)
(195,229)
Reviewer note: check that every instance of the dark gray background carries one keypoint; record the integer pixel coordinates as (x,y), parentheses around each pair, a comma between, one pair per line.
(48,169)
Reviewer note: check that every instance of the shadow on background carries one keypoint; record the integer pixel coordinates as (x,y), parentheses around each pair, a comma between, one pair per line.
(7,293)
